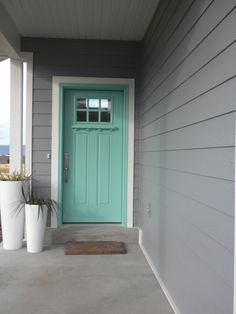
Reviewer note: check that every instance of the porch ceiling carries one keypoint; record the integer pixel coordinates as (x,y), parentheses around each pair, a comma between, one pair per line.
(82,19)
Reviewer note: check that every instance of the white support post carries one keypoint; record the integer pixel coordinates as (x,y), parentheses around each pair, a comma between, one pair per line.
(16,115)
(29,109)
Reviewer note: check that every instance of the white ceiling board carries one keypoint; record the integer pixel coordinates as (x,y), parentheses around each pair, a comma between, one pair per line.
(84,19)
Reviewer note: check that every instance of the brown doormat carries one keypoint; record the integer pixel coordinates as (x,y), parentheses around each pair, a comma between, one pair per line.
(94,247)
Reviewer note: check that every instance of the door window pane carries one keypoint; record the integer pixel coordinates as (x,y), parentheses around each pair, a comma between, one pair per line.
(93,103)
(93,116)
(81,116)
(81,103)
(106,104)
(105,116)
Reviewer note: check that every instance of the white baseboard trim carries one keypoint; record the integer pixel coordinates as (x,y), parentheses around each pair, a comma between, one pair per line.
(161,283)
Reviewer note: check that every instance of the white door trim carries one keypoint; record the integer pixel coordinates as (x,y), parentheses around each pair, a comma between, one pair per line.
(56,81)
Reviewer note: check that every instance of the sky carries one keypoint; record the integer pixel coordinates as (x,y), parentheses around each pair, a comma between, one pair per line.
(4,101)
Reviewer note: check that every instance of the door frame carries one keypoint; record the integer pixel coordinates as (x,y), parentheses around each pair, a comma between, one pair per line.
(58,84)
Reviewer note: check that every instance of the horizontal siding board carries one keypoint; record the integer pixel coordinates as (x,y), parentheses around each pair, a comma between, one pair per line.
(215,13)
(164,19)
(215,132)
(42,181)
(155,45)
(172,74)
(42,95)
(182,269)
(41,120)
(42,144)
(198,215)
(213,284)
(215,193)
(190,279)
(42,107)
(42,82)
(195,238)
(215,73)
(220,229)
(218,163)
(42,132)
(40,157)
(43,191)
(155,22)
(189,22)
(42,169)
(214,103)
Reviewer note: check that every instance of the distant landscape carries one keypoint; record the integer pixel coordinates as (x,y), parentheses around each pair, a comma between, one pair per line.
(4,150)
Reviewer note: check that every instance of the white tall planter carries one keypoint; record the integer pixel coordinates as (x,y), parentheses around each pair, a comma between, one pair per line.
(12,220)
(35,227)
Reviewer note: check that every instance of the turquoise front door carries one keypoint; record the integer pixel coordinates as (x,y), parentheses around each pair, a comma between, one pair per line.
(93,156)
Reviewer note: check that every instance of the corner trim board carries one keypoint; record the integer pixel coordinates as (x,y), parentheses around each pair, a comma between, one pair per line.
(234,297)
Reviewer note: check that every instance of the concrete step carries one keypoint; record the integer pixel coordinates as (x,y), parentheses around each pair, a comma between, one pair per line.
(91,233)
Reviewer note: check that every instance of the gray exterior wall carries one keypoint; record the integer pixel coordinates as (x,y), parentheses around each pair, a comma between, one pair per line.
(70,58)
(186,159)
(184,139)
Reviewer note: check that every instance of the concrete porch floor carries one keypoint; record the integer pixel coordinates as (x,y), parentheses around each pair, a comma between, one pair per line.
(52,283)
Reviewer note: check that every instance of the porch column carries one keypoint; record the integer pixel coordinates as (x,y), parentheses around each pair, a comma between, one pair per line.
(16,114)
(28,57)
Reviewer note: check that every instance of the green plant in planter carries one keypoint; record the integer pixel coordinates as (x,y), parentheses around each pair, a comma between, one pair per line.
(36,211)
(32,199)
(15,176)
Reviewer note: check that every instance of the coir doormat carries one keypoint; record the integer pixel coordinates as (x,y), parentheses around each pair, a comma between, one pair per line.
(94,247)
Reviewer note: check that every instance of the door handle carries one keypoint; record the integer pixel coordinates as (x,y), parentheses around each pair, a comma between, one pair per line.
(66,166)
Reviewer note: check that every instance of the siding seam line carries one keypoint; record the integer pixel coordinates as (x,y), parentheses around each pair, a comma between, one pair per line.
(185,149)
(188,197)
(179,43)
(189,101)
(187,56)
(189,125)
(191,76)
(187,172)
(231,252)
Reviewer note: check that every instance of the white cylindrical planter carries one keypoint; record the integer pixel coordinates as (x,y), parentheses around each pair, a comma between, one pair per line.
(35,220)
(12,219)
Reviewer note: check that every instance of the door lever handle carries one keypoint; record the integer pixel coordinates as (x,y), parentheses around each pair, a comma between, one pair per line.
(66,166)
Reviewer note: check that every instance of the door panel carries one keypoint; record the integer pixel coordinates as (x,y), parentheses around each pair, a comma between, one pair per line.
(80,166)
(104,169)
(93,138)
